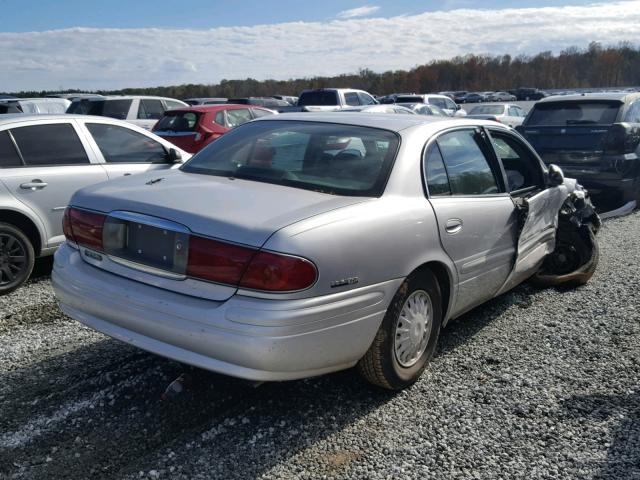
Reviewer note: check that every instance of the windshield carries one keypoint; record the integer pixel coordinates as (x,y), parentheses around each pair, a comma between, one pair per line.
(329,97)
(103,108)
(487,110)
(329,158)
(574,113)
(177,121)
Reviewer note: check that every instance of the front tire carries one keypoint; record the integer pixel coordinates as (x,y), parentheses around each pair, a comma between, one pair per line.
(407,337)
(16,258)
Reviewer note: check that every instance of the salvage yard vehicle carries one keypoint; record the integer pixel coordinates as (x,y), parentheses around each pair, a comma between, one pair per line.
(43,160)
(441,101)
(506,113)
(304,244)
(192,128)
(143,111)
(424,109)
(594,138)
(330,99)
(36,105)
(380,109)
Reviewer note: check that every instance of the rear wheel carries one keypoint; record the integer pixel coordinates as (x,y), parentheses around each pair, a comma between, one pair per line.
(407,337)
(16,258)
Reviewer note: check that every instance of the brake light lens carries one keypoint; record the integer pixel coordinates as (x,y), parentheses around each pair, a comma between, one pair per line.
(84,228)
(247,267)
(217,261)
(278,273)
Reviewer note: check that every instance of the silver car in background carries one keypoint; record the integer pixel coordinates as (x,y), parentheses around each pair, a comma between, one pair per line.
(44,160)
(301,244)
(507,113)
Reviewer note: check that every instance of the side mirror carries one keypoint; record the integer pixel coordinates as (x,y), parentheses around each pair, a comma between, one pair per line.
(555,177)
(174,156)
(458,107)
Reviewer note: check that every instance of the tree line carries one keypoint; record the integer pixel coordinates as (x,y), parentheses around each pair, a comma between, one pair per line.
(591,67)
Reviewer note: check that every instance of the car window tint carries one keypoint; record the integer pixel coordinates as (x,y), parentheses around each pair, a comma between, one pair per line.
(178,121)
(437,179)
(522,168)
(54,144)
(104,108)
(351,98)
(574,113)
(8,155)
(330,158)
(449,104)
(150,109)
(257,113)
(366,99)
(238,117)
(468,168)
(220,118)
(438,102)
(633,115)
(173,104)
(121,145)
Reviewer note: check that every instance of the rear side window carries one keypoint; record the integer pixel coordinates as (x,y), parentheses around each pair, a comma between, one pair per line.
(121,145)
(8,154)
(238,117)
(438,102)
(633,115)
(220,119)
(103,108)
(437,179)
(55,144)
(574,113)
(150,109)
(173,104)
(318,98)
(178,122)
(257,113)
(468,169)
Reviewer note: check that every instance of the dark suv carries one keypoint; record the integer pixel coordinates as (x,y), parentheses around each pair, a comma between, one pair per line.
(595,138)
(528,94)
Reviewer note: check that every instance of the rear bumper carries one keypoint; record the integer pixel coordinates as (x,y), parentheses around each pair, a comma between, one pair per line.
(243,337)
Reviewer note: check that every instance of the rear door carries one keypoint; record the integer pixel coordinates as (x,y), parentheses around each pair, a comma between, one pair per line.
(477,219)
(125,151)
(55,161)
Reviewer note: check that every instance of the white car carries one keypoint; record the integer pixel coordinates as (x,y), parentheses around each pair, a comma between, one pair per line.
(143,111)
(44,159)
(37,105)
(507,113)
(441,101)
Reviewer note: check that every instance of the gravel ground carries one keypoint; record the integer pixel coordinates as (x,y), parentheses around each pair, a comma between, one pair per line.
(535,384)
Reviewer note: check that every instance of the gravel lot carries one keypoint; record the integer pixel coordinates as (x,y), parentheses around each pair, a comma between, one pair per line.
(535,384)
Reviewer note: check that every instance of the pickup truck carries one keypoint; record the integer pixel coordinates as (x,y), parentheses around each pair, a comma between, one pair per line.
(329,99)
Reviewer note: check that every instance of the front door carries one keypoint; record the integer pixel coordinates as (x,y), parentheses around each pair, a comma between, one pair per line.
(477,219)
(53,165)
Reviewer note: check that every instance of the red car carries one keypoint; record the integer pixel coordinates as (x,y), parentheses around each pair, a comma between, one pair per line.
(192,128)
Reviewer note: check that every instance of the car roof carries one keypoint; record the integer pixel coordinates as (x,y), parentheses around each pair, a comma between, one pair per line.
(9,118)
(620,96)
(395,123)
(214,107)
(122,97)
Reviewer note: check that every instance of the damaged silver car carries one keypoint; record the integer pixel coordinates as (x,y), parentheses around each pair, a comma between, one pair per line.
(303,244)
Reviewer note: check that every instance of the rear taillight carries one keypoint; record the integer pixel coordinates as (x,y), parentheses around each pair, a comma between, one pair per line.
(247,267)
(217,261)
(83,227)
(621,138)
(278,273)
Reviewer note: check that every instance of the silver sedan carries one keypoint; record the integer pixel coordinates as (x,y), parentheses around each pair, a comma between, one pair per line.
(302,244)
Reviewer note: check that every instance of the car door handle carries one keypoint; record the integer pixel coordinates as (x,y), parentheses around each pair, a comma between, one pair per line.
(453,226)
(35,184)
(126,174)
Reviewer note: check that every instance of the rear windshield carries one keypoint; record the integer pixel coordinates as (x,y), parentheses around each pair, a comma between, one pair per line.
(329,158)
(103,108)
(410,99)
(177,121)
(487,110)
(318,98)
(574,113)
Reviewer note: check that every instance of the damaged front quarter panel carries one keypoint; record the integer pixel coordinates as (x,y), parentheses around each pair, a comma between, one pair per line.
(576,253)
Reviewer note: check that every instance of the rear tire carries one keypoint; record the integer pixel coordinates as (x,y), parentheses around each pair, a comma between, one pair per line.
(16,258)
(407,337)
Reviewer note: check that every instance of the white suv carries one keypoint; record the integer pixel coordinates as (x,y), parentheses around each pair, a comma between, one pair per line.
(441,101)
(44,160)
(143,111)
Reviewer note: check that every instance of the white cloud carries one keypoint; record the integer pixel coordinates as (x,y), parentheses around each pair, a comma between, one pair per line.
(91,58)
(358,12)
